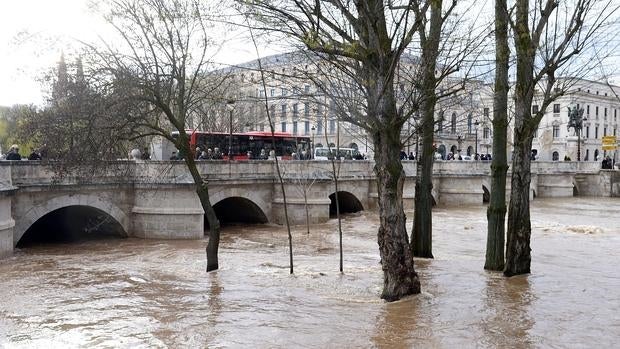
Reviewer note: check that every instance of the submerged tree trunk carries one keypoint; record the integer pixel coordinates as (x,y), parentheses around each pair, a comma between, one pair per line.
(399,276)
(496,212)
(518,249)
(422,235)
(203,194)
(519,226)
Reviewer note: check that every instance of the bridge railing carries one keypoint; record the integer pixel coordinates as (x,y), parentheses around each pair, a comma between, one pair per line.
(21,173)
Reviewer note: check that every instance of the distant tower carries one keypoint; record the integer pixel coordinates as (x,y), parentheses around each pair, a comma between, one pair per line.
(61,86)
(79,73)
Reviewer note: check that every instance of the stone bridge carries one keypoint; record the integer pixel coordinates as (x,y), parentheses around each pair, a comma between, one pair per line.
(156,199)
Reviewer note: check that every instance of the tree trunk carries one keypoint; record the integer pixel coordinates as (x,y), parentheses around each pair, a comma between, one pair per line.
(399,276)
(422,235)
(496,212)
(519,226)
(518,249)
(203,194)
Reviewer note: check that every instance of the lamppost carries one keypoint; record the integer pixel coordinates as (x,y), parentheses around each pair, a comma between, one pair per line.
(312,145)
(476,123)
(230,105)
(575,120)
(459,139)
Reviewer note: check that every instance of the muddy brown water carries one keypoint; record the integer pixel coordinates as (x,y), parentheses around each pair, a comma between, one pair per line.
(135,293)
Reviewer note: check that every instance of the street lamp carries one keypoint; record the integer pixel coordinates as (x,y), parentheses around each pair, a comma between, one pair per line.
(476,123)
(230,105)
(312,145)
(575,120)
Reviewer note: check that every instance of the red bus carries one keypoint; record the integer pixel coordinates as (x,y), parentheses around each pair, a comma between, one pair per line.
(285,143)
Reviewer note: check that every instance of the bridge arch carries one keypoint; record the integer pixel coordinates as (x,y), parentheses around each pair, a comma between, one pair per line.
(239,210)
(348,203)
(65,201)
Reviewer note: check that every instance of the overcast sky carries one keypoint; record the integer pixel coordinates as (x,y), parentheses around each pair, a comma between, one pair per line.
(33,33)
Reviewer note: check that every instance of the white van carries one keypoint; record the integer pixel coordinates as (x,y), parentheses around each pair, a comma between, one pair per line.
(322,153)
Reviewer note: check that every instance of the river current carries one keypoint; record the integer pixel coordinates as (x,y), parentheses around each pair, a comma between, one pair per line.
(131,293)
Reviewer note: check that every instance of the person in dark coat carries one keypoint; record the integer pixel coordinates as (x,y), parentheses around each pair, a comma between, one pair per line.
(35,155)
(13,153)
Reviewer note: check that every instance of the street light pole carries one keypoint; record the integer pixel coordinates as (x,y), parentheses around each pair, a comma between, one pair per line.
(476,123)
(312,145)
(230,105)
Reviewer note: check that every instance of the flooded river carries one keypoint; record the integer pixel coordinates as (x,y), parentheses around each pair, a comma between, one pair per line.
(155,294)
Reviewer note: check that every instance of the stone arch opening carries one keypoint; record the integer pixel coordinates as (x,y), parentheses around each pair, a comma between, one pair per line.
(238,210)
(348,203)
(74,223)
(486,195)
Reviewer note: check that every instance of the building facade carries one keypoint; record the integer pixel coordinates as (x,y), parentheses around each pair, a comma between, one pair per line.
(600,105)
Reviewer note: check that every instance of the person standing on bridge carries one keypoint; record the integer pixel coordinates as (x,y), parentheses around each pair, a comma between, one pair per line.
(13,153)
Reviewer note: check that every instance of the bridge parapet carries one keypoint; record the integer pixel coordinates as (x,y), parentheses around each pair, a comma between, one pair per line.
(556,167)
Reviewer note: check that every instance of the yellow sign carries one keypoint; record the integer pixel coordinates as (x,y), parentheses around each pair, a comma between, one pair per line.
(609,147)
(609,140)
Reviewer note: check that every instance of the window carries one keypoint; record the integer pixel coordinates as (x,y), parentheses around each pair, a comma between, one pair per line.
(486,133)
(332,126)
(453,123)
(295,110)
(535,109)
(605,113)
(588,109)
(556,131)
(596,132)
(294,127)
(262,127)
(555,156)
(273,92)
(556,108)
(587,131)
(604,131)
(614,131)
(307,127)
(283,111)
(319,126)
(283,128)
(283,91)
(261,93)
(272,111)
(307,89)
(469,124)
(596,111)
(486,112)
(307,110)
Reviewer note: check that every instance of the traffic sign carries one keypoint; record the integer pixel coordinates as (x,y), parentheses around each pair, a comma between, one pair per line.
(609,140)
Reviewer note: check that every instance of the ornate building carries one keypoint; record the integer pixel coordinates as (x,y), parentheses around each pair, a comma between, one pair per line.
(293,90)
(601,106)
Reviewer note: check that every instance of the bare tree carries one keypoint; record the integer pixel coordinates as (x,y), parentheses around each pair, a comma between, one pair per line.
(547,39)
(369,54)
(159,65)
